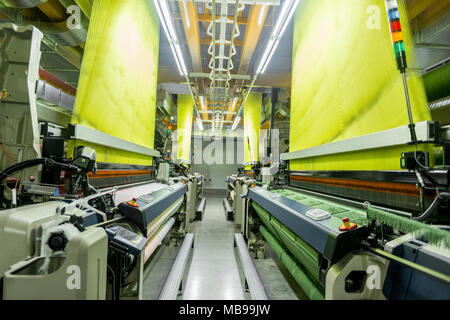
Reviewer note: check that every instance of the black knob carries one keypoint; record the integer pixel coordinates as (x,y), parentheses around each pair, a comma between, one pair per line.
(57,241)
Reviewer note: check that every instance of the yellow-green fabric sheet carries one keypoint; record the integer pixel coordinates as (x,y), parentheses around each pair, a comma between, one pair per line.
(184,127)
(345,82)
(252,124)
(117,86)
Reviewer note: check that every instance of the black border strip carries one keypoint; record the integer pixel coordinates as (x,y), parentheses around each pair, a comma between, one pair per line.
(122,166)
(441,176)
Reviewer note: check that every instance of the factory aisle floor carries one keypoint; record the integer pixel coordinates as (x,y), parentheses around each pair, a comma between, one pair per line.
(213,273)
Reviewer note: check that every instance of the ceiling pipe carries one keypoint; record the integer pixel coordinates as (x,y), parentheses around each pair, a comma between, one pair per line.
(239,112)
(22,3)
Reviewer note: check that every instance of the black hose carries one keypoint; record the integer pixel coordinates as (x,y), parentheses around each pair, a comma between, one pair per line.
(434,205)
(20,166)
(35,162)
(431,179)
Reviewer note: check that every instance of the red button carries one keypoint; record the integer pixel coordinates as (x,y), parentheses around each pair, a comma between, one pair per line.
(133,203)
(347,225)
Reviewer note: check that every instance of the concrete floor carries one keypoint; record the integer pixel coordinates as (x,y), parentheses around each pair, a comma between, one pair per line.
(213,274)
(277,286)
(214,271)
(157,271)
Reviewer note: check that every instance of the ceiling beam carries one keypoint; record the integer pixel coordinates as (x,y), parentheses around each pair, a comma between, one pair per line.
(190,23)
(54,10)
(416,7)
(274,79)
(208,18)
(207,42)
(169,74)
(189,16)
(256,20)
(432,14)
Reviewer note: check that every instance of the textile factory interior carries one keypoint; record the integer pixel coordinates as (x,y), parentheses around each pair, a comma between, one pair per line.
(225,150)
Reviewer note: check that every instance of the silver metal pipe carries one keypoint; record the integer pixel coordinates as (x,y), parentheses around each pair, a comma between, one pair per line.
(408,102)
(246,95)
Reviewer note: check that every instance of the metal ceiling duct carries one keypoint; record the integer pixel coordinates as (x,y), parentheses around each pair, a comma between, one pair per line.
(22,3)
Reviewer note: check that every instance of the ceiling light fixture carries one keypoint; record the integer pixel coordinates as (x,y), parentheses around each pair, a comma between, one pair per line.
(167,23)
(202,101)
(261,14)
(236,122)
(234,103)
(188,23)
(283,20)
(200,124)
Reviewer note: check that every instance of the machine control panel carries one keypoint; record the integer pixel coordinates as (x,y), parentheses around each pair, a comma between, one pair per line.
(125,238)
(320,231)
(143,210)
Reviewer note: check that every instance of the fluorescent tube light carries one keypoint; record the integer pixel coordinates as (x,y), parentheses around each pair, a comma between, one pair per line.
(188,23)
(199,123)
(166,14)
(234,103)
(261,14)
(202,101)
(285,16)
(236,122)
(274,48)
(291,13)
(166,21)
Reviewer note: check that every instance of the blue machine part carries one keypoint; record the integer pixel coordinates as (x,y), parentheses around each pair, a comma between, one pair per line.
(151,205)
(126,240)
(322,235)
(91,218)
(403,283)
(87,217)
(232,180)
